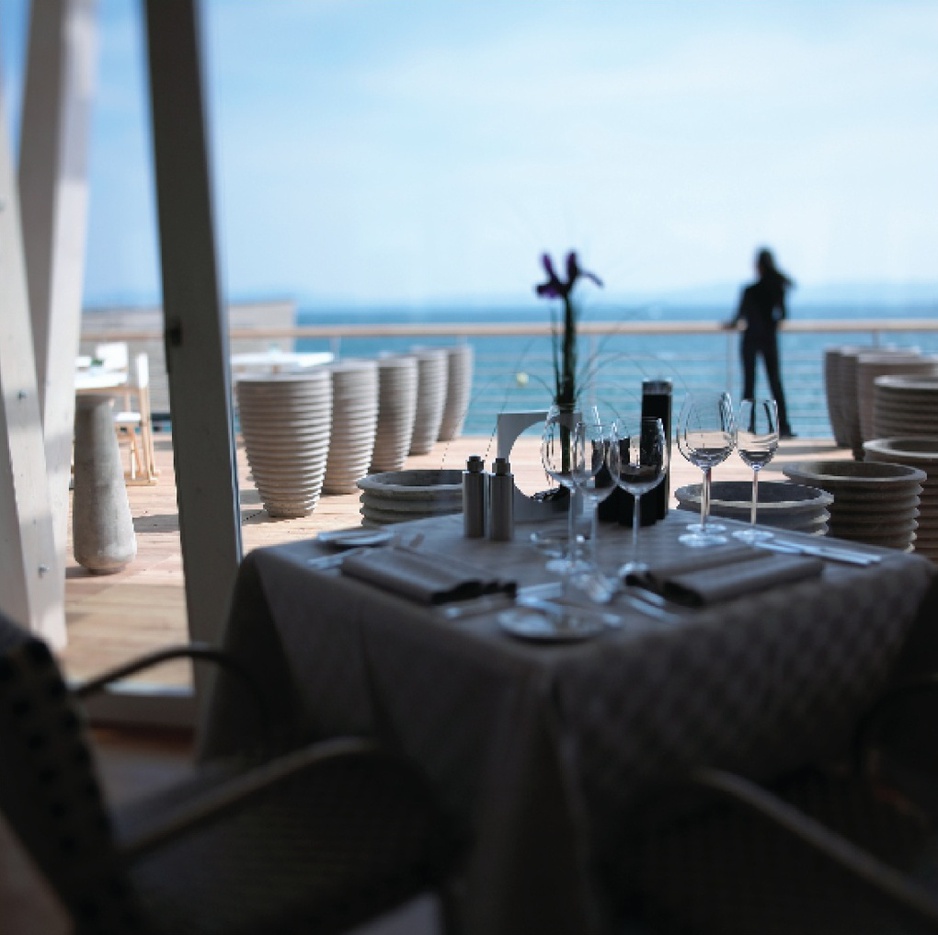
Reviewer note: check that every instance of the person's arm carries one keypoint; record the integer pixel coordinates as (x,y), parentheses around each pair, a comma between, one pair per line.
(734,321)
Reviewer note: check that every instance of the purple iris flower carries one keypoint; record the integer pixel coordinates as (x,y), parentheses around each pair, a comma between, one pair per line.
(555,287)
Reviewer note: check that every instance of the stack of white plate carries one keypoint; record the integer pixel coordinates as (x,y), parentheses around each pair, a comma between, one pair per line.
(397,405)
(398,496)
(873,502)
(833,387)
(286,422)
(458,391)
(781,504)
(354,422)
(432,377)
(879,364)
(922,453)
(905,405)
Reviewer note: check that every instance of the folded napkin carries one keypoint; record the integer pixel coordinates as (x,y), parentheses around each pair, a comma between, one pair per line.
(429,579)
(724,573)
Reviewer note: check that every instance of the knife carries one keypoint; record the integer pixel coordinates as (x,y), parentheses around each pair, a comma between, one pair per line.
(832,553)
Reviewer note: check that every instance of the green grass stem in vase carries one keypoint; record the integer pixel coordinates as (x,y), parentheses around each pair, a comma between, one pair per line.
(565,338)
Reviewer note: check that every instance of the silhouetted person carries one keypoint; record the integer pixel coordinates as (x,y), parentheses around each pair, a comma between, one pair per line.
(761,308)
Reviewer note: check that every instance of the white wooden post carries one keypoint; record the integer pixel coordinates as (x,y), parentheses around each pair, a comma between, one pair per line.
(53,186)
(32,578)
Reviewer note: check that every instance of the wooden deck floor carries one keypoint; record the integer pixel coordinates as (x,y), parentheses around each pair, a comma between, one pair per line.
(112,618)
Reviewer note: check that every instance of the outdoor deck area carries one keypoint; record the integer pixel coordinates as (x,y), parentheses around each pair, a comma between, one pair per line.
(112,618)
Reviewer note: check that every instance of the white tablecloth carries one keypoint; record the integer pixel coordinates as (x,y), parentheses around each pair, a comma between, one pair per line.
(539,751)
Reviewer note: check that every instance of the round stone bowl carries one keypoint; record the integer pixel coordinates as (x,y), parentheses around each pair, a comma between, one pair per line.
(870,498)
(398,496)
(783,505)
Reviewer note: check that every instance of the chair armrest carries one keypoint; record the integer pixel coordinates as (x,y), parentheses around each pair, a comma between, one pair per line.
(234,793)
(889,882)
(198,652)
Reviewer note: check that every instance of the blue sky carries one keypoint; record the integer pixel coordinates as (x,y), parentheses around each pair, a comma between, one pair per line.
(410,152)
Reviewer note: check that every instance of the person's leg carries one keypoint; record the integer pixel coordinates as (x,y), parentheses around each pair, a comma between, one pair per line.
(773,371)
(748,355)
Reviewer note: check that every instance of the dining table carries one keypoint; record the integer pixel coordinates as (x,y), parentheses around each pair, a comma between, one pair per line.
(541,745)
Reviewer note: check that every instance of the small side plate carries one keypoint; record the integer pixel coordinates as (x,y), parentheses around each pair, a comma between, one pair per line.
(355,538)
(531,624)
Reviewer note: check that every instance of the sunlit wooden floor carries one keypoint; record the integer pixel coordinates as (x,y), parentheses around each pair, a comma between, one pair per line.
(112,618)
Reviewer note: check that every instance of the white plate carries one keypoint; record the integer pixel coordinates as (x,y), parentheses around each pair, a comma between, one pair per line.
(355,538)
(531,624)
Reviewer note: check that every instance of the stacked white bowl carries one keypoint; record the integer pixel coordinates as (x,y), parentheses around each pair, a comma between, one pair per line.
(354,423)
(458,390)
(432,377)
(922,453)
(397,405)
(286,422)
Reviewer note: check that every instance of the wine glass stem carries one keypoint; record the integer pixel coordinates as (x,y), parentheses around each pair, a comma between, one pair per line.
(755,495)
(571,529)
(705,500)
(594,534)
(636,522)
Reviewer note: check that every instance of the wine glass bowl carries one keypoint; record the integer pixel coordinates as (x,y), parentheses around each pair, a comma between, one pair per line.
(594,483)
(756,443)
(706,435)
(557,451)
(637,459)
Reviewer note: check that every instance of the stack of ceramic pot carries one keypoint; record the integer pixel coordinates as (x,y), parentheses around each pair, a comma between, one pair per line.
(781,505)
(905,405)
(286,422)
(354,423)
(873,502)
(833,387)
(849,379)
(397,406)
(432,377)
(458,390)
(922,453)
(877,364)
(398,496)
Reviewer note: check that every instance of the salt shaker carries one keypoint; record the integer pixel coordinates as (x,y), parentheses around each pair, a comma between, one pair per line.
(501,501)
(473,498)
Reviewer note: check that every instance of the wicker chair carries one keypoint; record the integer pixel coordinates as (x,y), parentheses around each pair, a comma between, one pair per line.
(851,848)
(314,840)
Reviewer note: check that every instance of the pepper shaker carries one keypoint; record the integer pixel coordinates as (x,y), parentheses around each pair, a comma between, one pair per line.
(473,498)
(501,501)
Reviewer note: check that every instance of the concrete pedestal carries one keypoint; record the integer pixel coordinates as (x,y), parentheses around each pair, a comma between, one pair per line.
(103,539)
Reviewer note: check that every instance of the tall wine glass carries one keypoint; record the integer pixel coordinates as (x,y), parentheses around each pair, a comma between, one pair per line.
(593,480)
(557,460)
(756,441)
(638,461)
(705,436)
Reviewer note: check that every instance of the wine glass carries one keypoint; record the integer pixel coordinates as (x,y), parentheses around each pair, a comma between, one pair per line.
(593,480)
(557,461)
(638,461)
(756,441)
(705,437)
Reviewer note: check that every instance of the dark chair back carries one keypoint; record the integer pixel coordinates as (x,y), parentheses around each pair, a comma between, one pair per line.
(49,790)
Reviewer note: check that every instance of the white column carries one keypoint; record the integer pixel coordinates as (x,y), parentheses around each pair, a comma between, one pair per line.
(53,185)
(32,577)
